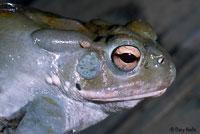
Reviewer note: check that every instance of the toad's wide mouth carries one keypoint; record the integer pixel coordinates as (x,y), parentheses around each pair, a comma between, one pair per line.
(115,96)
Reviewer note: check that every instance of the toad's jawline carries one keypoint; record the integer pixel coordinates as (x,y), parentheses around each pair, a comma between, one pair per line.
(109,97)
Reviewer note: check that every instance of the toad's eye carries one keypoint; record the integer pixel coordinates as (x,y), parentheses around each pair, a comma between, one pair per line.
(126,57)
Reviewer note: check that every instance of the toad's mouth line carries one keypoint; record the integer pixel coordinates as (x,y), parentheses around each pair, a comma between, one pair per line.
(113,96)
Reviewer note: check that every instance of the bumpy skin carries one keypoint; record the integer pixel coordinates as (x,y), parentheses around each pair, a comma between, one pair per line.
(58,74)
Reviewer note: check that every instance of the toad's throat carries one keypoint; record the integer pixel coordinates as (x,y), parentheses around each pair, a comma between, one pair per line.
(115,96)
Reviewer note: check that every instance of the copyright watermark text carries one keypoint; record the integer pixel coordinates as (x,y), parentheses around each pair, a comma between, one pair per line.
(183,129)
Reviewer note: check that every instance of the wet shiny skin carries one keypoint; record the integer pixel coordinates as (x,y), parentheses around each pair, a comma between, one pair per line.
(57,70)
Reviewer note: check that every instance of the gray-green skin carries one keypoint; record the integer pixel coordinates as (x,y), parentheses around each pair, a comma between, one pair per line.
(41,79)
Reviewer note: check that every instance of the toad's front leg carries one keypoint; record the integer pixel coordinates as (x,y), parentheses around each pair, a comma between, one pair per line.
(43,116)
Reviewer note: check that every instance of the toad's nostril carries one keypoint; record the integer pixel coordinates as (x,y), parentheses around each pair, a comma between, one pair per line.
(160,60)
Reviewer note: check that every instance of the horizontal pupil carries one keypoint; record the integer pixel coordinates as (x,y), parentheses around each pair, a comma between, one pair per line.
(127,57)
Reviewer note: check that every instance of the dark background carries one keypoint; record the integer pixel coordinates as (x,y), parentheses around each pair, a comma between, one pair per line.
(177,22)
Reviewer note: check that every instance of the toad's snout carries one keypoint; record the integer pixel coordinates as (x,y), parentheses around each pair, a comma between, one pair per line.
(160,62)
